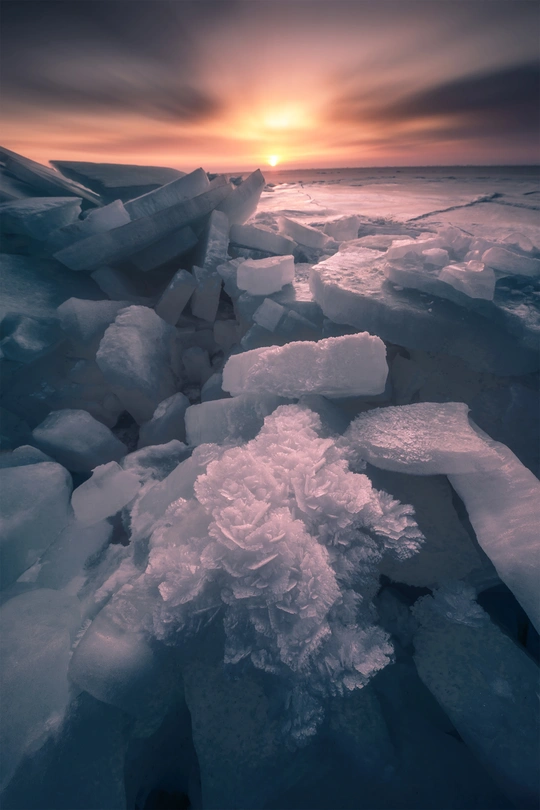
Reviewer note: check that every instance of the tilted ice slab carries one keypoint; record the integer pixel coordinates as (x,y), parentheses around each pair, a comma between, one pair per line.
(183,188)
(227,420)
(117,180)
(37,216)
(504,508)
(351,288)
(104,494)
(426,438)
(120,243)
(98,220)
(265,276)
(485,683)
(43,179)
(352,365)
(259,239)
(502,497)
(303,234)
(242,203)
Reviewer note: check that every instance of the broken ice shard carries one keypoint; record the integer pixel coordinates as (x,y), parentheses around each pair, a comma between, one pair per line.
(343,229)
(303,234)
(114,181)
(183,188)
(97,220)
(121,243)
(38,216)
(205,299)
(170,247)
(139,356)
(85,322)
(472,278)
(260,239)
(175,296)
(242,203)
(265,276)
(77,441)
(353,365)
(167,422)
(508,262)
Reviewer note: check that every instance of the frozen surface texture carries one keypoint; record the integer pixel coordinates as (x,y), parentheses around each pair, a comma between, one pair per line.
(336,367)
(77,440)
(265,276)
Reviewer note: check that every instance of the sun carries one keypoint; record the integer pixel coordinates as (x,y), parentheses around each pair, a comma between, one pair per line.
(273,160)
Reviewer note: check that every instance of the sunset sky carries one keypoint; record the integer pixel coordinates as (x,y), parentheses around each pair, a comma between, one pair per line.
(232,84)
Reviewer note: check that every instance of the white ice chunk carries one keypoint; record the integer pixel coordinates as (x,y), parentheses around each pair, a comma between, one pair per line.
(402,248)
(104,494)
(269,314)
(35,508)
(157,461)
(436,256)
(139,357)
(183,188)
(22,456)
(426,438)
(343,229)
(37,630)
(303,234)
(242,203)
(504,508)
(226,420)
(38,216)
(167,422)
(472,278)
(77,440)
(175,296)
(519,241)
(265,276)
(506,261)
(352,365)
(486,685)
(260,239)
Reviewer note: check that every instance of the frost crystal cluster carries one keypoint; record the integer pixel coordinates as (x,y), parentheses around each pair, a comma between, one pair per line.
(285,541)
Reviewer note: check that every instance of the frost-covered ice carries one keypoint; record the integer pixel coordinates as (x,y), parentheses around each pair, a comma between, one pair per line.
(37,217)
(77,440)
(167,422)
(104,494)
(183,188)
(336,367)
(228,420)
(303,234)
(252,237)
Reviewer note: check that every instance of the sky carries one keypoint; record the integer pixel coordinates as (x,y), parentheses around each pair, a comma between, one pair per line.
(235,84)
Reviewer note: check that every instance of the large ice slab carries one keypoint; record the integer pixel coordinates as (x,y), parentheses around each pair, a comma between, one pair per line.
(352,365)
(510,262)
(165,250)
(85,322)
(227,420)
(343,229)
(260,239)
(121,243)
(113,181)
(485,684)
(37,631)
(175,191)
(175,296)
(426,438)
(96,221)
(214,243)
(139,358)
(242,203)
(205,299)
(352,289)
(265,276)
(35,509)
(104,494)
(77,440)
(503,505)
(36,287)
(36,217)
(43,179)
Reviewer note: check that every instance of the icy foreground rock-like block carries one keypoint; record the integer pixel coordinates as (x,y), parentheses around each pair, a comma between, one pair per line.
(104,494)
(23,456)
(85,322)
(205,300)
(242,203)
(77,441)
(351,288)
(38,216)
(175,297)
(259,239)
(37,630)
(98,220)
(487,686)
(472,278)
(35,508)
(503,505)
(166,249)
(343,229)
(183,188)
(139,357)
(506,261)
(167,422)
(225,420)
(303,234)
(120,243)
(426,438)
(353,365)
(265,276)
